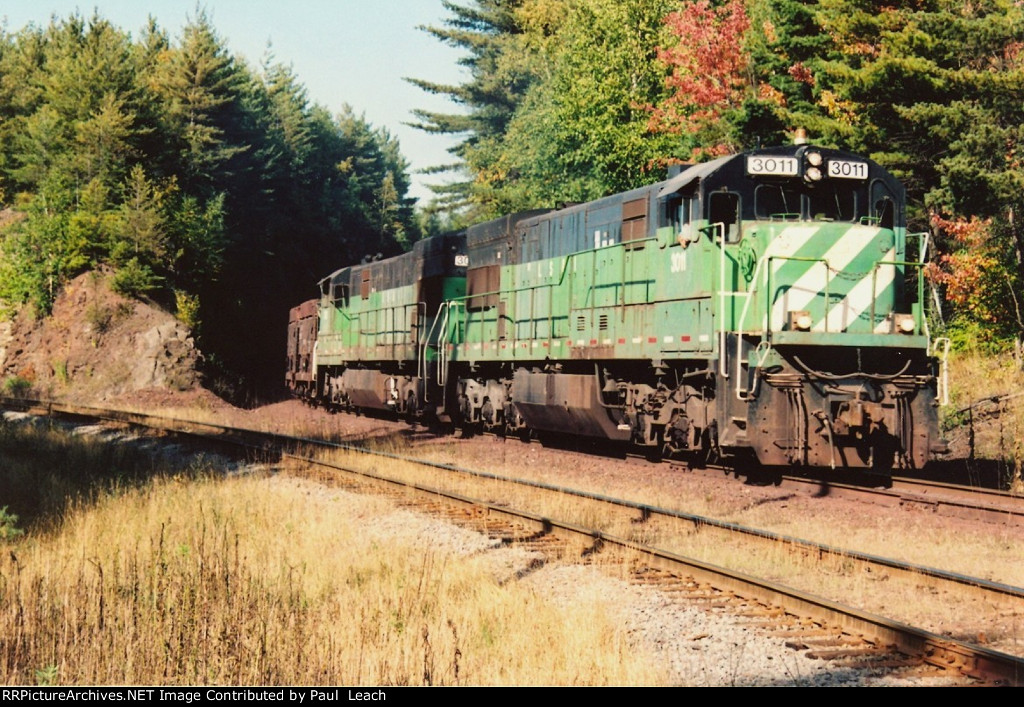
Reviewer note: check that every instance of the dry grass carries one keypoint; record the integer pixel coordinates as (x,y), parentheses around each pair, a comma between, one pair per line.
(985,417)
(273,581)
(922,538)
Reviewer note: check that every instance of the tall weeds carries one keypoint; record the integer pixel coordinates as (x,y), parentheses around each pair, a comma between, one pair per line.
(985,418)
(273,581)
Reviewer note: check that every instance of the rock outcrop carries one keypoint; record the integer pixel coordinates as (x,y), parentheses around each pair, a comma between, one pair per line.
(97,345)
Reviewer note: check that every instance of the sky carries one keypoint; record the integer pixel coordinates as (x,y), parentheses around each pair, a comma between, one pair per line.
(354,52)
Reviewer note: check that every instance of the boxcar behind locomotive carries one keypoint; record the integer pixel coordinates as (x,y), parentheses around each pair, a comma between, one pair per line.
(761,304)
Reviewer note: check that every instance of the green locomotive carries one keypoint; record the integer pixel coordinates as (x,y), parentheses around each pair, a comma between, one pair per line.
(376,330)
(763,304)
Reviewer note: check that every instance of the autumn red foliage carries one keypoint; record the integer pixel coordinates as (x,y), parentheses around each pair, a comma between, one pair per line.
(968,272)
(707,66)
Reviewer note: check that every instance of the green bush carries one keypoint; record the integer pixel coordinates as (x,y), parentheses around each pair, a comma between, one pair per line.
(133,279)
(971,336)
(17,387)
(8,525)
(187,307)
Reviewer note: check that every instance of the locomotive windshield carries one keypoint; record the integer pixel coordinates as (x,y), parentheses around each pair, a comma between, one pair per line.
(796,199)
(835,201)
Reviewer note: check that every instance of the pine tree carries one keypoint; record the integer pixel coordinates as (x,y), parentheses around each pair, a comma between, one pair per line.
(197,179)
(200,87)
(483,29)
(933,91)
(556,100)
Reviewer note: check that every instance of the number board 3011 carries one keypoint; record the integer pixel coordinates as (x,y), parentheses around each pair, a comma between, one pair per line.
(775,166)
(846,169)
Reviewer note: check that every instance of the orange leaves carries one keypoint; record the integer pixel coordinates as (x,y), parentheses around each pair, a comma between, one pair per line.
(971,273)
(973,233)
(707,65)
(801,73)
(769,94)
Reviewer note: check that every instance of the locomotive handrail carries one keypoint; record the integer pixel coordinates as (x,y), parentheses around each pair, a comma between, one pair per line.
(922,258)
(464,299)
(770,300)
(564,270)
(524,288)
(741,394)
(561,276)
(421,345)
(377,331)
(440,348)
(919,317)
(723,367)
(377,310)
(442,319)
(925,237)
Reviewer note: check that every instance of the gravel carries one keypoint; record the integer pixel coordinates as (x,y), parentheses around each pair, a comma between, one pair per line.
(695,647)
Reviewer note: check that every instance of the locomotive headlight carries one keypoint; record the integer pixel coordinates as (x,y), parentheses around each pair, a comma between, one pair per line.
(905,323)
(813,159)
(800,320)
(812,174)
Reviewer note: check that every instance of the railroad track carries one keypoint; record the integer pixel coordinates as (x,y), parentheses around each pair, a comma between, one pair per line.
(972,503)
(817,626)
(847,637)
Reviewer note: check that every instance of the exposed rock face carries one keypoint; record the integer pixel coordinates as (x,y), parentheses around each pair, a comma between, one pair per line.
(5,339)
(97,345)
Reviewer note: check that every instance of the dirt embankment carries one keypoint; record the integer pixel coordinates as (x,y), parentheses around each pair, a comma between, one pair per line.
(96,345)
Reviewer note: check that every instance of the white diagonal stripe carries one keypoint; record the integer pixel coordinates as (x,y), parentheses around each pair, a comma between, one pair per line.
(791,240)
(811,284)
(859,299)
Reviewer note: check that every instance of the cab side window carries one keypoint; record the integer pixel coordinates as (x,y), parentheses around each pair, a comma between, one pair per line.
(676,212)
(724,208)
(883,206)
(341,296)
